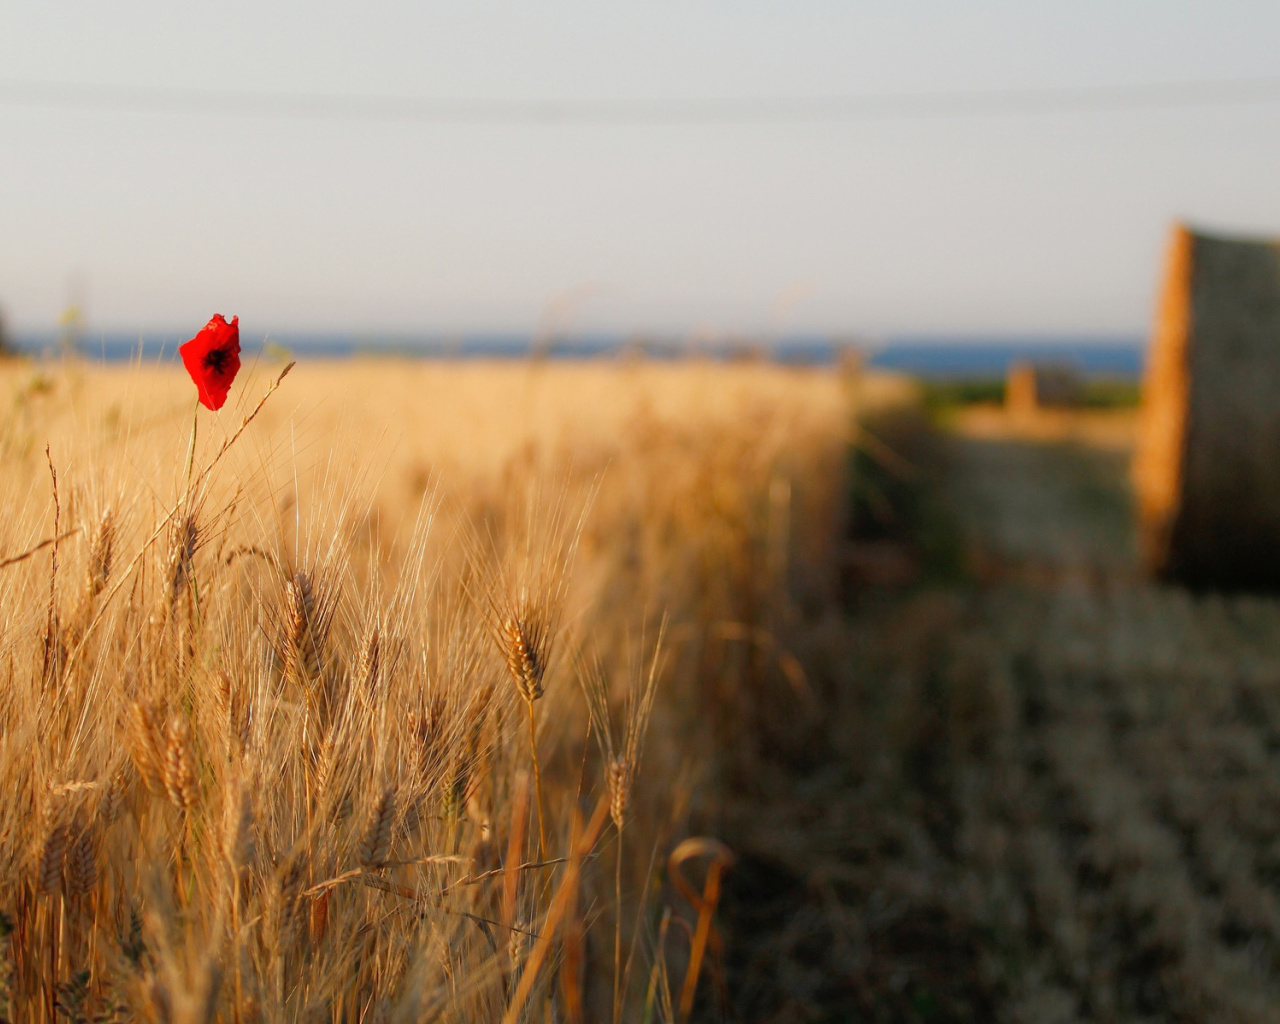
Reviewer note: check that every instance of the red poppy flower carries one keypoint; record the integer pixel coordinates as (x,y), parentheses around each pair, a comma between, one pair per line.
(212,358)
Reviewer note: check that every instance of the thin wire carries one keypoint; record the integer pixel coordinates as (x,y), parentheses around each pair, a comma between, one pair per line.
(640,112)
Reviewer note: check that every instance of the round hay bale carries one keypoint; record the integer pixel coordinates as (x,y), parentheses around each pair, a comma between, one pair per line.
(1207,467)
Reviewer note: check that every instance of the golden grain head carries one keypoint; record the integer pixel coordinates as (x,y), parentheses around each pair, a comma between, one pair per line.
(53,848)
(456,784)
(81,859)
(238,826)
(524,648)
(300,604)
(304,631)
(370,663)
(287,893)
(101,554)
(114,796)
(223,691)
(374,849)
(618,779)
(182,550)
(144,746)
(179,766)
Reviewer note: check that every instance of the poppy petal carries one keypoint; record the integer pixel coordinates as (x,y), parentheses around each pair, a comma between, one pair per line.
(212,358)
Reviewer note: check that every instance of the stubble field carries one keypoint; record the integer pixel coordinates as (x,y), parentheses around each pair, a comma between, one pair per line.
(1044,789)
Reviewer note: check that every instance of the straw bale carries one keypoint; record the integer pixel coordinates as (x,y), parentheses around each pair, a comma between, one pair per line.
(1031,386)
(1207,468)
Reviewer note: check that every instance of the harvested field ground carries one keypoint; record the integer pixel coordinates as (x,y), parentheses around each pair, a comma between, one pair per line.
(1049,792)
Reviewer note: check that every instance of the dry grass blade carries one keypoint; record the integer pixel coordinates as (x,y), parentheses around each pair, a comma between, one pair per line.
(35,550)
(582,844)
(720,860)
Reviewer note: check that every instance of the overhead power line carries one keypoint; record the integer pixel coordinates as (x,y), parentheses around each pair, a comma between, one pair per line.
(657,111)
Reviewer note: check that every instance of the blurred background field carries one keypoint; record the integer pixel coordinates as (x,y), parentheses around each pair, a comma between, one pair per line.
(1043,787)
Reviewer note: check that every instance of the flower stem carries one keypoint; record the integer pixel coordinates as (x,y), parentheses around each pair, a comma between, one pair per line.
(191,461)
(191,446)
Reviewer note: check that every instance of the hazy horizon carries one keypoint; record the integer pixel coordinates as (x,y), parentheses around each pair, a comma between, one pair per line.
(935,356)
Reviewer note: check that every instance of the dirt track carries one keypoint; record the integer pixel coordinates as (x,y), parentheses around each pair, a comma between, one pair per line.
(1051,793)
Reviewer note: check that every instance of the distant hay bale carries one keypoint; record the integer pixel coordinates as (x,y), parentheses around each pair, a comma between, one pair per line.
(1032,386)
(1207,467)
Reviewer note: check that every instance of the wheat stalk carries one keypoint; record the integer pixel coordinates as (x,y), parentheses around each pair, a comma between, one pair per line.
(180,562)
(238,827)
(526,644)
(52,848)
(526,636)
(370,664)
(621,763)
(375,845)
(101,555)
(179,767)
(302,644)
(144,746)
(113,798)
(81,859)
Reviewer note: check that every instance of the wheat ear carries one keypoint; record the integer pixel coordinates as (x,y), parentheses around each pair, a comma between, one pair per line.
(52,849)
(375,846)
(144,746)
(179,767)
(525,643)
(82,861)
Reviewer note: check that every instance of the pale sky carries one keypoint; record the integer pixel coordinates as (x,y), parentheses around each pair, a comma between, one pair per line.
(1009,223)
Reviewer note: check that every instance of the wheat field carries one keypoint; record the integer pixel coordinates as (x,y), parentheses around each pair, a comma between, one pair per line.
(462,692)
(396,691)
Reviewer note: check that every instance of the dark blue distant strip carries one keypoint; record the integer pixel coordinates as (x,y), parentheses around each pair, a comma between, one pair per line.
(935,358)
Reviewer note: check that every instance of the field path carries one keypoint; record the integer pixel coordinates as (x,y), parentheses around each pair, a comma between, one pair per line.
(1051,793)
